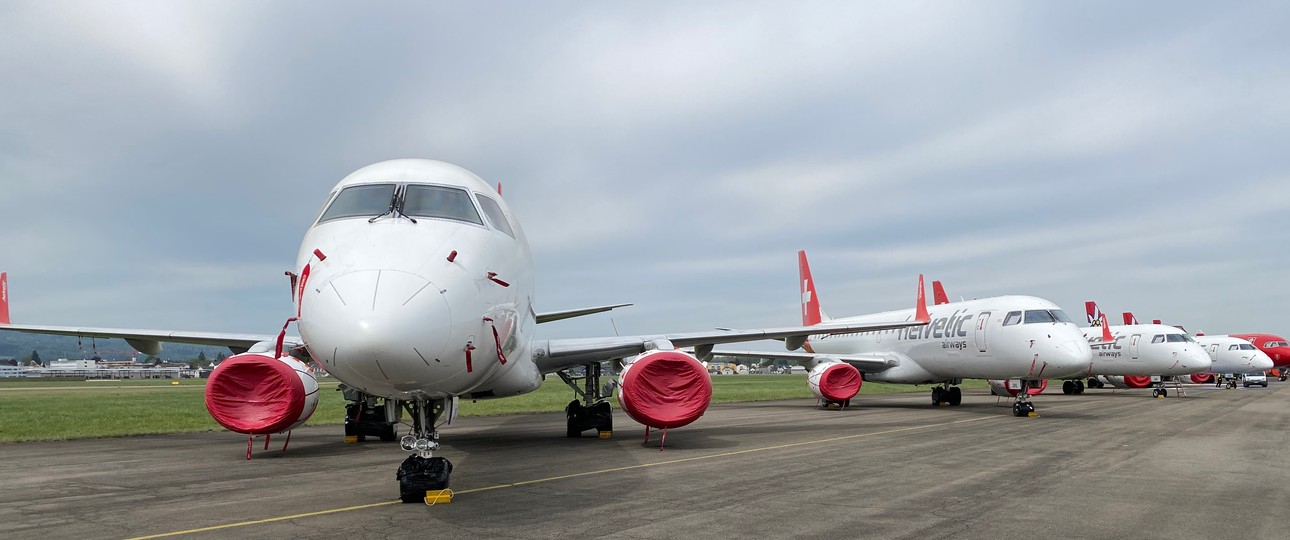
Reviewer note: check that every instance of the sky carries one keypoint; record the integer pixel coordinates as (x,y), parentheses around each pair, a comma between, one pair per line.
(160,161)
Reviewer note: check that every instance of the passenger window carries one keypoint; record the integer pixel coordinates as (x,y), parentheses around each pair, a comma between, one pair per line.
(495,214)
(1012,318)
(439,202)
(368,200)
(1158,338)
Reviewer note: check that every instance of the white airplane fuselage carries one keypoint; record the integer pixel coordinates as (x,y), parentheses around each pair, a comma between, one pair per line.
(1234,355)
(407,310)
(969,340)
(1146,349)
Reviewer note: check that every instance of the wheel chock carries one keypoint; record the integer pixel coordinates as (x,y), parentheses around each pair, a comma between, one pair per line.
(351,439)
(606,434)
(1032,414)
(438,496)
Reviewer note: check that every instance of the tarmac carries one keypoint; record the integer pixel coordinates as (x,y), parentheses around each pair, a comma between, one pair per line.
(1106,464)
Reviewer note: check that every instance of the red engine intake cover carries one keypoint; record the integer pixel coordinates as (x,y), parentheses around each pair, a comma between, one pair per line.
(840,382)
(1137,381)
(1201,378)
(665,389)
(254,394)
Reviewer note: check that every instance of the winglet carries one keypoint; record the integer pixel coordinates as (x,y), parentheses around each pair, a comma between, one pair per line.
(1093,314)
(811,314)
(920,310)
(1129,318)
(938,293)
(4,298)
(1106,330)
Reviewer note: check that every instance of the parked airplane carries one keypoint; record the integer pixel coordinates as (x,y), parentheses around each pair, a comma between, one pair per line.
(1136,355)
(1276,347)
(1020,338)
(1232,356)
(414,287)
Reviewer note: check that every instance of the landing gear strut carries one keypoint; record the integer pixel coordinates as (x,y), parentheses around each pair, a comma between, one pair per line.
(593,412)
(947,393)
(423,472)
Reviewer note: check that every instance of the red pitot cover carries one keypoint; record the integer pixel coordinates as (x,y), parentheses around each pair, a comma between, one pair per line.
(255,394)
(665,390)
(840,382)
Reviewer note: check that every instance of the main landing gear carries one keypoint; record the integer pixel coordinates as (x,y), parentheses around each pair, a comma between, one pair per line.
(1073,387)
(593,412)
(422,472)
(1094,383)
(947,394)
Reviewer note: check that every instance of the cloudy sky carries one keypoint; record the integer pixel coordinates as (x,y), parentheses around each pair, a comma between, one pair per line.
(159,161)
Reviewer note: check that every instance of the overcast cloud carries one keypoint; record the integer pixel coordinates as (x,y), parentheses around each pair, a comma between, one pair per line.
(159,161)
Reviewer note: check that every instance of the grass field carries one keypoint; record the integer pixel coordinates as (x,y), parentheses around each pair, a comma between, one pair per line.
(43,410)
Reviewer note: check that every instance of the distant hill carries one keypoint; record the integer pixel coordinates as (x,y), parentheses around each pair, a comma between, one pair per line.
(20,345)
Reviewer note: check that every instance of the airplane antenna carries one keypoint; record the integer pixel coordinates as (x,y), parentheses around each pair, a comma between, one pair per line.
(615,325)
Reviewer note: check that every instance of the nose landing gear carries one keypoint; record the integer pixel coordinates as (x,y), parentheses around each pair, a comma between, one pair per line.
(422,472)
(1022,407)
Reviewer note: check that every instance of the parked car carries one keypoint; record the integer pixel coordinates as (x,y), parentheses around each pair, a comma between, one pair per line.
(1257,377)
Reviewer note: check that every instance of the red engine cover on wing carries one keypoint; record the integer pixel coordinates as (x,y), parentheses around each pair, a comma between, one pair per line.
(665,389)
(840,382)
(255,394)
(1137,381)
(1201,378)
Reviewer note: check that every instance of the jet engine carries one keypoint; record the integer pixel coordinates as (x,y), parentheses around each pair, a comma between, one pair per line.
(257,394)
(1012,387)
(834,381)
(1129,381)
(664,389)
(1198,378)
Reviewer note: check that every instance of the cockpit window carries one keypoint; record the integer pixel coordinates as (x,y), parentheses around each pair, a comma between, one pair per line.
(439,202)
(1012,318)
(495,214)
(1039,316)
(1233,347)
(1247,347)
(1060,316)
(1158,338)
(1179,338)
(1274,344)
(367,200)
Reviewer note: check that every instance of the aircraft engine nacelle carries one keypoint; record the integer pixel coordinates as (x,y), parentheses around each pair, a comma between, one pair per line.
(833,380)
(1130,381)
(664,389)
(1012,387)
(1198,378)
(257,394)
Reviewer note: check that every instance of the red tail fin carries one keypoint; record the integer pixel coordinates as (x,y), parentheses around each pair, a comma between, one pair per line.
(1106,329)
(1129,318)
(938,293)
(810,303)
(920,310)
(4,298)
(1156,321)
(1093,314)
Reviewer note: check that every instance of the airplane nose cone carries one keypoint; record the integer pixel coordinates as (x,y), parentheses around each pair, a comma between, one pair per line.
(1261,363)
(1070,358)
(360,325)
(1197,360)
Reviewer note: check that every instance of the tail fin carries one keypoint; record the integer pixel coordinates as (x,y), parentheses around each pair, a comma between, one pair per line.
(4,298)
(1094,315)
(920,310)
(938,293)
(811,314)
(1129,318)
(1156,321)
(1106,329)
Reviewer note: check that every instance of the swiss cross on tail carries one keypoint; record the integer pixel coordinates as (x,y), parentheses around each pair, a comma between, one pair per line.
(1129,318)
(938,293)
(1094,314)
(810,302)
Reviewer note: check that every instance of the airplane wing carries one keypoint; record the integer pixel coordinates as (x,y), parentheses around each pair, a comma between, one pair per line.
(571,313)
(867,363)
(148,341)
(557,354)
